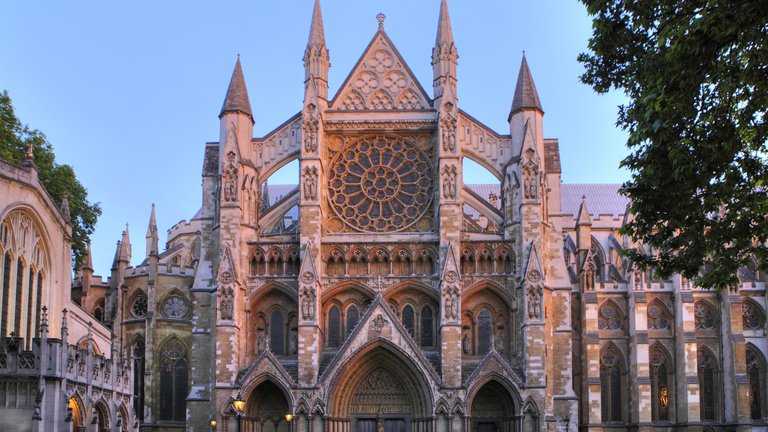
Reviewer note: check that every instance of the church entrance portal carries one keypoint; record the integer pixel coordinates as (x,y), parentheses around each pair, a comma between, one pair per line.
(493,409)
(379,392)
(265,410)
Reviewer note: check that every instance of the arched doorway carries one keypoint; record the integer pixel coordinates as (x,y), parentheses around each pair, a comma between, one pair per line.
(265,410)
(378,390)
(75,414)
(493,409)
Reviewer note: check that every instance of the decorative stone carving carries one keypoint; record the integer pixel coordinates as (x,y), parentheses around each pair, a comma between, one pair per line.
(372,192)
(308,303)
(704,316)
(451,302)
(175,307)
(379,323)
(230,179)
(752,316)
(309,129)
(531,175)
(139,306)
(449,181)
(448,128)
(226,305)
(534,302)
(609,318)
(309,183)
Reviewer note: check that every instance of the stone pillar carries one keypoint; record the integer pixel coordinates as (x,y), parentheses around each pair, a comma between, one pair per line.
(735,379)
(641,409)
(590,361)
(686,376)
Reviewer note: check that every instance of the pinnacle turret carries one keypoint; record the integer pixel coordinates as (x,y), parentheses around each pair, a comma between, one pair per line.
(444,57)
(583,217)
(316,31)
(444,30)
(152,237)
(316,58)
(237,94)
(88,262)
(526,96)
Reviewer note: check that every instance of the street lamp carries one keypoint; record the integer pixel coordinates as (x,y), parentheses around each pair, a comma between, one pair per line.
(212,422)
(288,418)
(239,405)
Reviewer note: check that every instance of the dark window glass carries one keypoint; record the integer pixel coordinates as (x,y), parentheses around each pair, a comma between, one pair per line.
(277,332)
(6,294)
(660,392)
(38,302)
(353,316)
(707,386)
(173,382)
(19,297)
(30,304)
(483,332)
(755,374)
(408,319)
(605,395)
(334,327)
(427,327)
(615,394)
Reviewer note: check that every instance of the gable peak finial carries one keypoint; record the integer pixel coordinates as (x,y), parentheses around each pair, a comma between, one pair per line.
(381,17)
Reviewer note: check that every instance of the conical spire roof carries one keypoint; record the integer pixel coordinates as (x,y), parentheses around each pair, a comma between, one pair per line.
(152,222)
(316,31)
(583,217)
(526,95)
(237,95)
(444,30)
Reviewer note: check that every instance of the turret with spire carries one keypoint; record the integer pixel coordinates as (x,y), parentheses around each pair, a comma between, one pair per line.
(236,119)
(152,237)
(444,57)
(316,57)
(526,111)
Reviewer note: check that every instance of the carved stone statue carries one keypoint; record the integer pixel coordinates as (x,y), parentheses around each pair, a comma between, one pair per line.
(308,304)
(309,181)
(229,178)
(451,305)
(310,130)
(226,304)
(449,182)
(534,302)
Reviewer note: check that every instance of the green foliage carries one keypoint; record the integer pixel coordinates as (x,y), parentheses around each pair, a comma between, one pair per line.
(57,179)
(696,75)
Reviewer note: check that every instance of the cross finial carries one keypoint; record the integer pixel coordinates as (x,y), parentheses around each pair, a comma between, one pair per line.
(381,17)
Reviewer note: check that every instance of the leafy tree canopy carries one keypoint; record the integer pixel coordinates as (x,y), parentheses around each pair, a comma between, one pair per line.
(57,179)
(696,76)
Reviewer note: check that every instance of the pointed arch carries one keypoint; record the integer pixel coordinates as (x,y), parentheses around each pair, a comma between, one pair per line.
(336,262)
(611,316)
(173,367)
(659,315)
(709,383)
(379,358)
(409,100)
(661,369)
(756,374)
(402,263)
(612,383)
(381,100)
(357,262)
(380,262)
(752,314)
(354,101)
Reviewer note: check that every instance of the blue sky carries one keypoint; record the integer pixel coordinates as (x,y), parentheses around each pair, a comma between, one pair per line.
(129,92)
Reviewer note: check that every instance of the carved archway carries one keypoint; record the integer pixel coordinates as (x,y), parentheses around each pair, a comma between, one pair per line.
(379,388)
(493,409)
(265,409)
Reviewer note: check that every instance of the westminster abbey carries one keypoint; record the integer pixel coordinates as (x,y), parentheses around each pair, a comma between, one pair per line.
(380,292)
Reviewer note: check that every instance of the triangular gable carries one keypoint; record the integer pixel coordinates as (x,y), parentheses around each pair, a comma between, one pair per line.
(380,323)
(265,363)
(450,272)
(494,363)
(533,272)
(381,80)
(227,271)
(308,265)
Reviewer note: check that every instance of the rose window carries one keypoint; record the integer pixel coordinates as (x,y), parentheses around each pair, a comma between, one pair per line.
(380,184)
(139,307)
(175,307)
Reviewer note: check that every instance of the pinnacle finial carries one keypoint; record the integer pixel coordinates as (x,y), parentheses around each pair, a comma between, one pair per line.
(237,94)
(381,17)
(444,29)
(526,96)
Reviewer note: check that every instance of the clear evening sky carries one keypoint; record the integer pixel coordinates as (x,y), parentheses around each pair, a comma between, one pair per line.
(129,92)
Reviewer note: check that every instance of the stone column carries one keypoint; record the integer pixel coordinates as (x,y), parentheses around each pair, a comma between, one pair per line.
(686,374)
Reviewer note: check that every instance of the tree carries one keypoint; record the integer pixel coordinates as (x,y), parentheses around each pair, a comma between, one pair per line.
(57,179)
(696,76)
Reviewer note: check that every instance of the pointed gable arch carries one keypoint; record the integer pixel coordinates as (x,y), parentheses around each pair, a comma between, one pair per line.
(381,80)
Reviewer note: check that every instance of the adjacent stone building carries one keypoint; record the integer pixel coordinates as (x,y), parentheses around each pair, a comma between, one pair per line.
(384,292)
(60,368)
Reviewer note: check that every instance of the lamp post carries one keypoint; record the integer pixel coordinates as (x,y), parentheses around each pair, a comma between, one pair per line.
(212,422)
(239,405)
(288,418)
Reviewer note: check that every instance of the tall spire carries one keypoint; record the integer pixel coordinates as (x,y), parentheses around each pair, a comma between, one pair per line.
(526,96)
(583,217)
(444,31)
(316,58)
(444,58)
(88,262)
(124,254)
(152,238)
(316,32)
(237,94)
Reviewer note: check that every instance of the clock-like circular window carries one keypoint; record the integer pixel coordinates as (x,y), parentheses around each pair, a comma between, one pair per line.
(380,184)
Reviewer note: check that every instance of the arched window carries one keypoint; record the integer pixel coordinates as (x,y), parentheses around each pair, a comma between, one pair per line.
(252,266)
(704,316)
(610,317)
(756,375)
(38,302)
(275,264)
(19,297)
(408,321)
(30,305)
(752,315)
(484,332)
(334,327)
(610,386)
(173,381)
(427,327)
(353,316)
(358,263)
(380,262)
(504,262)
(259,263)
(292,264)
(6,294)
(658,317)
(277,332)
(138,378)
(707,379)
(660,385)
